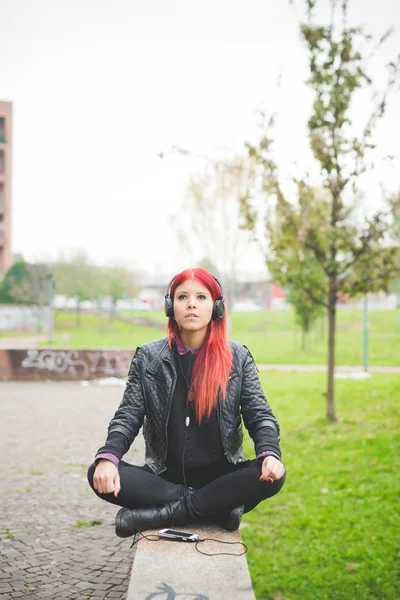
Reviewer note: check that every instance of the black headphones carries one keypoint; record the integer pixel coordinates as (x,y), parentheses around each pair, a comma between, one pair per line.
(218,308)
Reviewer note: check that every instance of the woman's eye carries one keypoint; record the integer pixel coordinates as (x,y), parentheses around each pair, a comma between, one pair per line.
(181,296)
(201,297)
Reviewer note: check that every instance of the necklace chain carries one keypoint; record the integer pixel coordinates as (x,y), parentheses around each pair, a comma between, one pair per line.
(188,386)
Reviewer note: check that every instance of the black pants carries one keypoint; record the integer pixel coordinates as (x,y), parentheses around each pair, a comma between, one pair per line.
(218,488)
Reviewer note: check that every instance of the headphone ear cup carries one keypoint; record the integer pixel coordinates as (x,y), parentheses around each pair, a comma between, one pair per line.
(218,310)
(168,301)
(169,307)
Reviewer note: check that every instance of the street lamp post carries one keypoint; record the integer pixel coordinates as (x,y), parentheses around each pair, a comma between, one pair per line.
(50,283)
(366,333)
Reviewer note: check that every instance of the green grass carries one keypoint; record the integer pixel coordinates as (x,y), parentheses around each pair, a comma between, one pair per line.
(12,334)
(333,532)
(154,315)
(80,524)
(98,332)
(273,337)
(8,535)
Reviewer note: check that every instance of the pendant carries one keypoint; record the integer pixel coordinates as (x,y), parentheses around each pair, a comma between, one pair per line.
(190,396)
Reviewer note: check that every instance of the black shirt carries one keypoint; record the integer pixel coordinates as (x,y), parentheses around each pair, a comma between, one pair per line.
(196,445)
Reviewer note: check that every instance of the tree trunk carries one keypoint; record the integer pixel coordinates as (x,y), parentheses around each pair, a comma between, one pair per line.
(330,394)
(305,335)
(322,327)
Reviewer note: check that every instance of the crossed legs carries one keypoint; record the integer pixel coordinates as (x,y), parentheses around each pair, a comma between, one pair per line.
(225,488)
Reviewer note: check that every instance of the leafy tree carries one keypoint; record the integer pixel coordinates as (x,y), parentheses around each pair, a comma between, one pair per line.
(209,265)
(336,251)
(291,264)
(210,218)
(306,311)
(132,285)
(24,283)
(118,283)
(78,278)
(82,280)
(15,274)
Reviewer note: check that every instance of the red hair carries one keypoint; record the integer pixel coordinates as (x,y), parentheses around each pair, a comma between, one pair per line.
(214,360)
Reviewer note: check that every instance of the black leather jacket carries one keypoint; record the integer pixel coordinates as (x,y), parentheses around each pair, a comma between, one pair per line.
(148,395)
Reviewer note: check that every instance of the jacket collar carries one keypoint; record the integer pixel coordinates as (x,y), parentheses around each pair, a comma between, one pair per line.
(164,354)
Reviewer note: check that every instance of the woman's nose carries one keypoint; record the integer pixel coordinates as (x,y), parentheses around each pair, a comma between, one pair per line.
(191,302)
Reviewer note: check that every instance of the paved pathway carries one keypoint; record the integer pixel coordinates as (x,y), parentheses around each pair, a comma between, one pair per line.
(21,342)
(339,368)
(50,546)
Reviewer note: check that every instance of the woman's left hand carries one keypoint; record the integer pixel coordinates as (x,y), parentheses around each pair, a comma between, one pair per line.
(272,469)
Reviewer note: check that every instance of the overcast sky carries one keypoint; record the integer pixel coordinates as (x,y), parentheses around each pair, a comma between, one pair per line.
(99,88)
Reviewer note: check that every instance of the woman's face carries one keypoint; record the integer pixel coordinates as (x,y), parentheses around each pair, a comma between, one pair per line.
(193,306)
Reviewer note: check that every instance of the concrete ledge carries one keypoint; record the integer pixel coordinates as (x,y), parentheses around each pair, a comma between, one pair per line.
(166,569)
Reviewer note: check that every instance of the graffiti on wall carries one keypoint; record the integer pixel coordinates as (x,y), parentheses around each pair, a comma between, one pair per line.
(55,360)
(79,364)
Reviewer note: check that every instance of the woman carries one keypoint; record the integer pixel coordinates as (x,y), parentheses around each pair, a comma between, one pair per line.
(189,392)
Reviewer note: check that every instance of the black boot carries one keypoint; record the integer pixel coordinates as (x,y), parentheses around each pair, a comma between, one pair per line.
(179,512)
(231,520)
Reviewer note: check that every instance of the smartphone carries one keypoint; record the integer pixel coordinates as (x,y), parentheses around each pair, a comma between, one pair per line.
(180,536)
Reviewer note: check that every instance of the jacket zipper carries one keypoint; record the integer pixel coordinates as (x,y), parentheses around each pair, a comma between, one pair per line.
(169,412)
(220,423)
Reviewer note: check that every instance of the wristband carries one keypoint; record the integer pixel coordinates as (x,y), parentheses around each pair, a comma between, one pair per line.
(262,455)
(107,456)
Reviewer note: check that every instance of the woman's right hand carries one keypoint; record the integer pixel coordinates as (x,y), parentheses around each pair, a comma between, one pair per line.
(106,478)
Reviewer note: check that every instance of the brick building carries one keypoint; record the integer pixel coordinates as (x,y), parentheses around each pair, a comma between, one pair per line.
(5,187)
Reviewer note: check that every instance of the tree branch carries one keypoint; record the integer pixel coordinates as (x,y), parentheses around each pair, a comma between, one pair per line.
(314,298)
(319,255)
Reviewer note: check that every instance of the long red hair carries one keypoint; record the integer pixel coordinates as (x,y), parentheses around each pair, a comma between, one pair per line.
(214,360)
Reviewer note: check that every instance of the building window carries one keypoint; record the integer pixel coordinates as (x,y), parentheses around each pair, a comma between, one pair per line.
(2,129)
(1,161)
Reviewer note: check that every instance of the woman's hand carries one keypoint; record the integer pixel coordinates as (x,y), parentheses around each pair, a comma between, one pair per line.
(272,469)
(106,478)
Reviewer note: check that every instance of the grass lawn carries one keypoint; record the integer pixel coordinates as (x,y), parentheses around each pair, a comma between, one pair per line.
(333,532)
(273,337)
(12,334)
(100,332)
